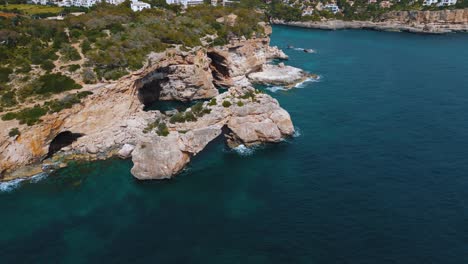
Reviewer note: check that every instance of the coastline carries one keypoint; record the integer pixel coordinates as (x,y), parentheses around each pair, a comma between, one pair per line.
(421,22)
(112,122)
(378,26)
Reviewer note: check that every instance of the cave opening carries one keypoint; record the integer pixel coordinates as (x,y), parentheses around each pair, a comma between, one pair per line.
(150,92)
(219,68)
(62,140)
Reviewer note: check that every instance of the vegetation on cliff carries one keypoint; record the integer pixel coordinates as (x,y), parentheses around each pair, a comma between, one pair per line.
(40,58)
(349,10)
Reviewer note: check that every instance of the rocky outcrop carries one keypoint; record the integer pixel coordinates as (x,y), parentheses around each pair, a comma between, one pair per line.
(112,121)
(251,117)
(241,57)
(432,22)
(177,75)
(279,74)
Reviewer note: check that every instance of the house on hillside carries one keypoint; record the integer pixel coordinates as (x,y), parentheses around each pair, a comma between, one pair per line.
(39,2)
(447,2)
(185,3)
(385,4)
(137,6)
(429,2)
(308,11)
(332,8)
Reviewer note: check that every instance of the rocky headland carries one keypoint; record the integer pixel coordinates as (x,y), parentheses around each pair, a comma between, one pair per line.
(113,121)
(432,22)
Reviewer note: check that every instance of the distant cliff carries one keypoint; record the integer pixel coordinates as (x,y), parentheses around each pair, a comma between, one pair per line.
(457,16)
(433,22)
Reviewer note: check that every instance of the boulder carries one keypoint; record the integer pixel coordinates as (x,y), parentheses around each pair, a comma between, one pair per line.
(126,151)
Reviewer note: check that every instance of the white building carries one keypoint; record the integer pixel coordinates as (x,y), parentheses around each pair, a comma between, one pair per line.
(80,3)
(447,2)
(332,8)
(429,2)
(184,3)
(308,11)
(139,6)
(39,2)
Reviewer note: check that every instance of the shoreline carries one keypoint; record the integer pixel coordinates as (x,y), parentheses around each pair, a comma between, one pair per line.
(112,121)
(433,28)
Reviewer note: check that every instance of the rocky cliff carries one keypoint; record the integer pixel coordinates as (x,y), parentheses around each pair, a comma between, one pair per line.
(113,121)
(432,22)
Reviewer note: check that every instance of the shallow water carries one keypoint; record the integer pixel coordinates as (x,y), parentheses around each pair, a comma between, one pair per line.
(377,173)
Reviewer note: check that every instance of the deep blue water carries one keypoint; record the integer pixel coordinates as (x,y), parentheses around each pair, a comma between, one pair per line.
(379,174)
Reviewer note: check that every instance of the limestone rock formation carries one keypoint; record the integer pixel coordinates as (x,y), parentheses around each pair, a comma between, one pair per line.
(112,121)
(278,75)
(251,117)
(432,22)
(234,61)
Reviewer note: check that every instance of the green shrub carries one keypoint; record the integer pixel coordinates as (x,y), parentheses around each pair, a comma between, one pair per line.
(212,102)
(54,83)
(4,74)
(73,67)
(83,94)
(226,103)
(14,132)
(8,99)
(162,129)
(114,74)
(177,118)
(8,116)
(29,116)
(197,108)
(240,103)
(69,53)
(47,65)
(89,76)
(249,94)
(85,46)
(189,116)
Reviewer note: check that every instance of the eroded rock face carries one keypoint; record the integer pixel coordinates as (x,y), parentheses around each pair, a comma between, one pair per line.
(432,22)
(241,57)
(177,75)
(458,16)
(112,122)
(252,118)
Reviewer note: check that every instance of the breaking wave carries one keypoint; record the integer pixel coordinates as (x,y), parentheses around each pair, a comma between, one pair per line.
(9,186)
(243,150)
(297,132)
(274,89)
(302,84)
(305,50)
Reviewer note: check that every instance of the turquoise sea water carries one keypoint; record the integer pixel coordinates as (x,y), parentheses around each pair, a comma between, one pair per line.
(378,174)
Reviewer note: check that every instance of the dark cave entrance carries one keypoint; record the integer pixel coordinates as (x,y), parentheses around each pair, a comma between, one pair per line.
(219,68)
(149,93)
(62,140)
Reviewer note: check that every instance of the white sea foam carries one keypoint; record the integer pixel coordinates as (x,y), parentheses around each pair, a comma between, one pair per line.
(302,84)
(9,186)
(243,150)
(39,177)
(297,132)
(304,50)
(274,89)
